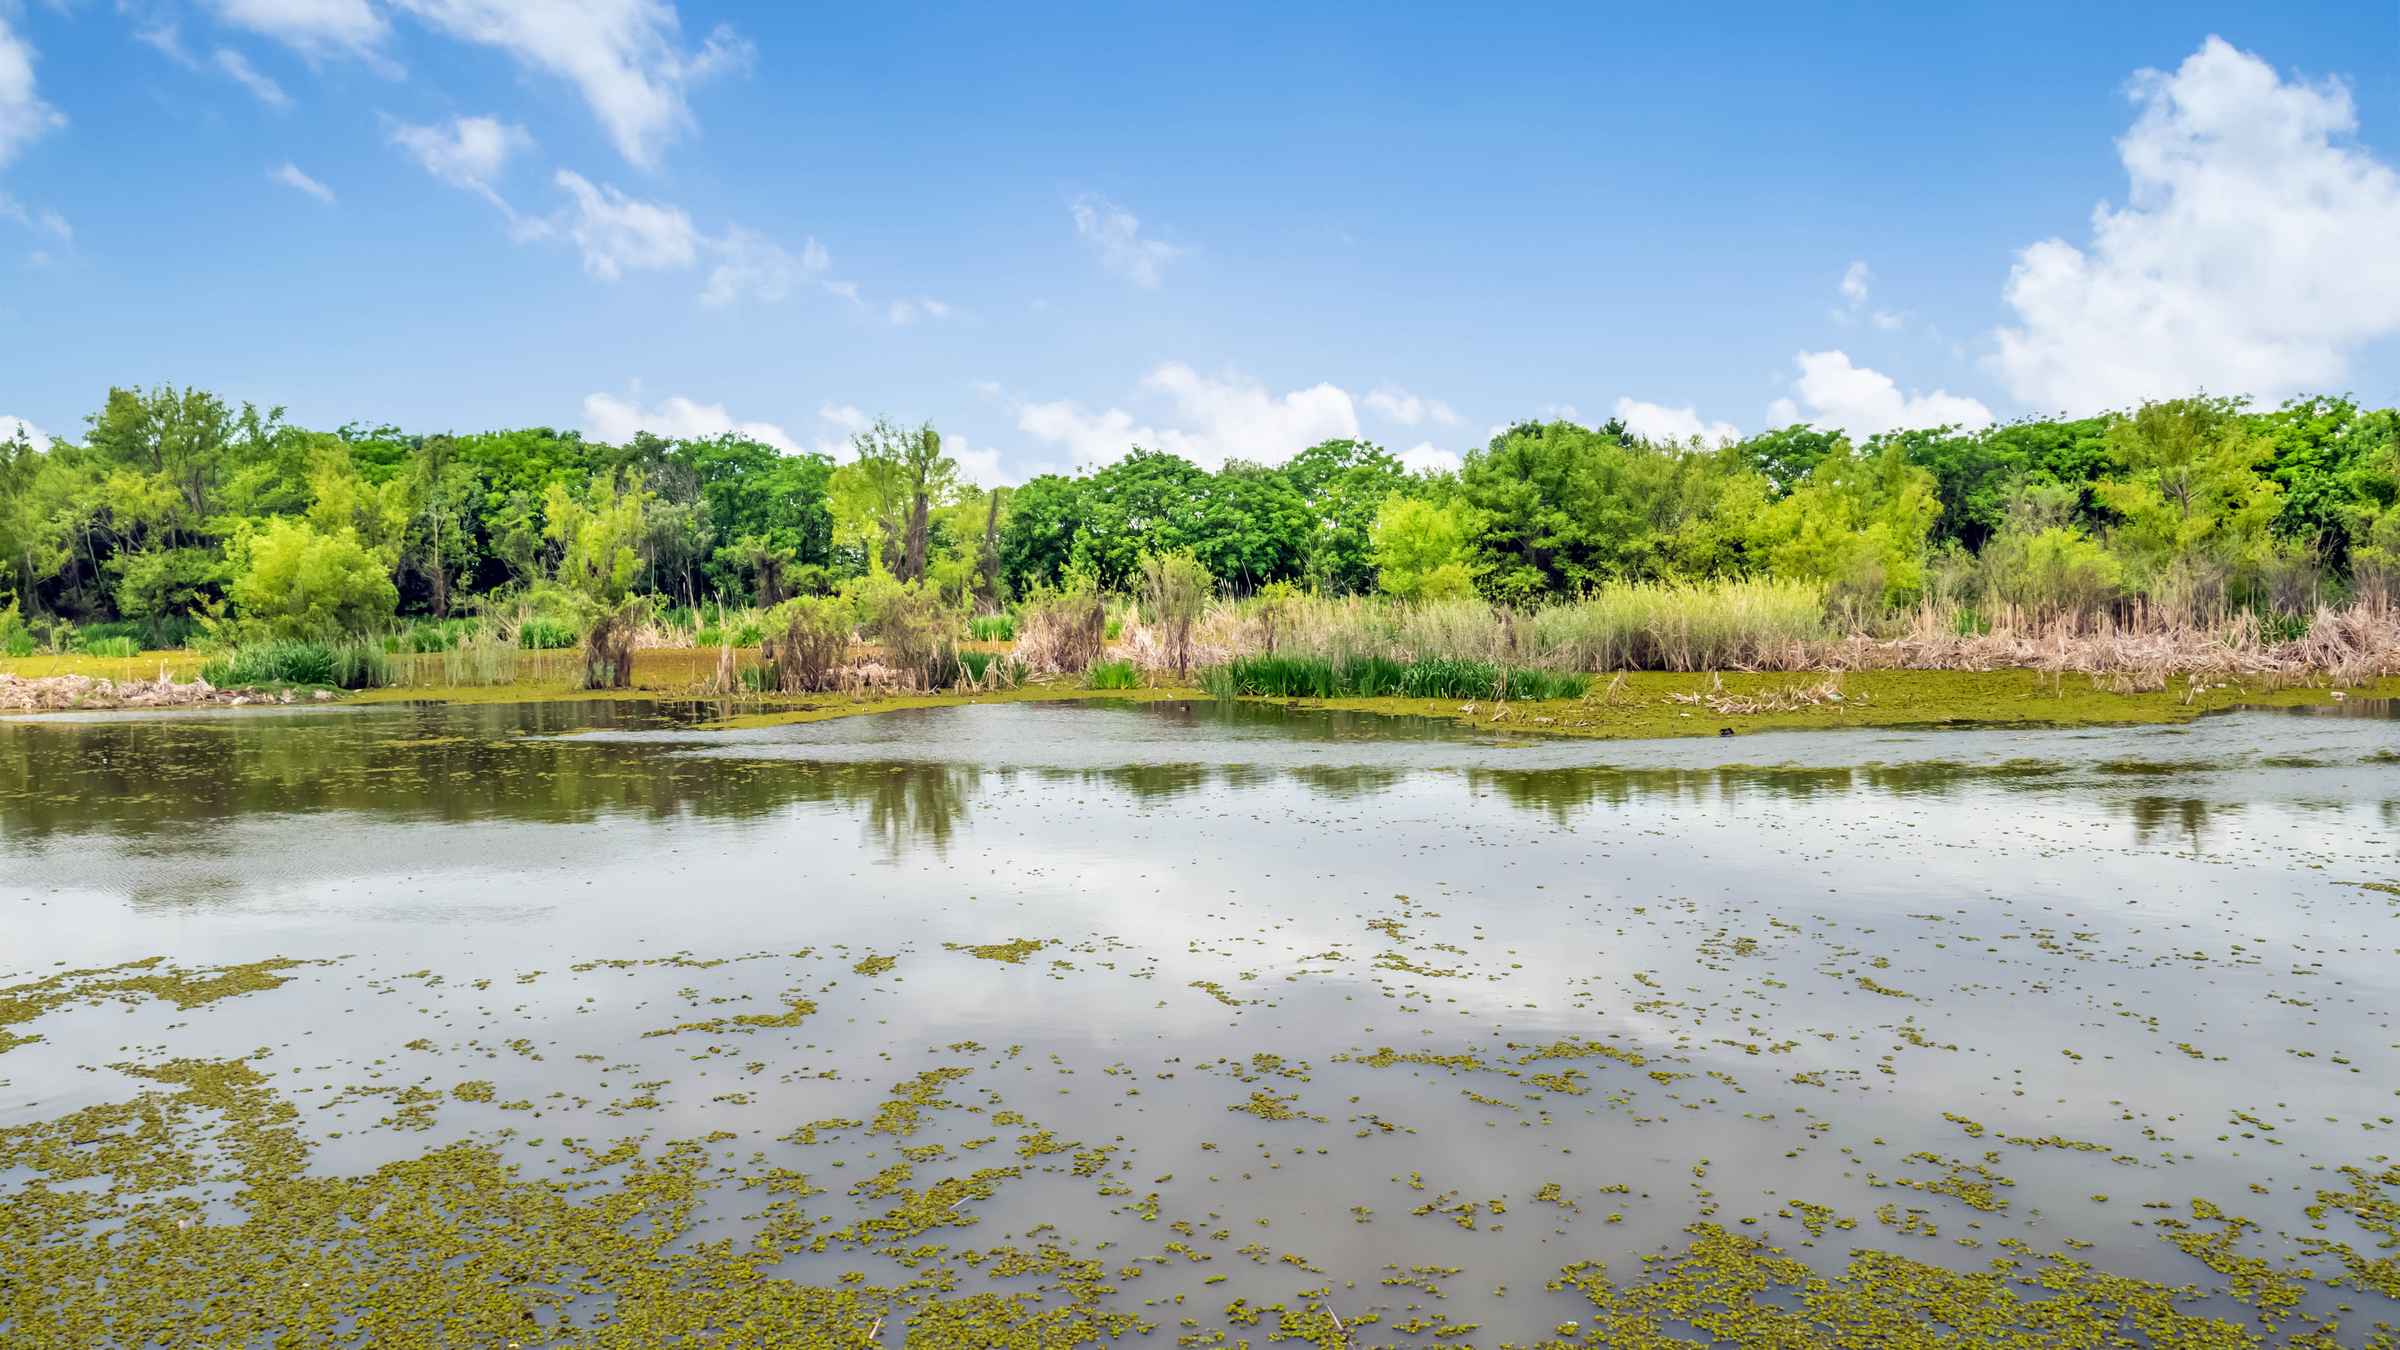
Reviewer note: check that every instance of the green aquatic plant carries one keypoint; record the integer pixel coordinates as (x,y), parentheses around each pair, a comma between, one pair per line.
(301,661)
(1113,675)
(1286,676)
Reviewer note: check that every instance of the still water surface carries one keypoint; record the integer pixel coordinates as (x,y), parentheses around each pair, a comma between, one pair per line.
(1365,1015)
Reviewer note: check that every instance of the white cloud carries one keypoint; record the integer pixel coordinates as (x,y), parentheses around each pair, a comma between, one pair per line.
(1663,425)
(1854,282)
(291,176)
(615,420)
(2258,247)
(312,27)
(1831,392)
(755,266)
(1392,402)
(1115,234)
(24,116)
(1424,458)
(623,56)
(468,152)
(1230,417)
(1886,319)
(10,426)
(617,232)
(169,41)
(978,464)
(905,312)
(238,68)
(844,415)
(44,220)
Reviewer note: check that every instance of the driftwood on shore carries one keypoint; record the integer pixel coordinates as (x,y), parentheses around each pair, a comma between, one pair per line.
(62,693)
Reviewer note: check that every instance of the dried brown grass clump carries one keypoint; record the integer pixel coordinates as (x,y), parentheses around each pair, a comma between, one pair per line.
(1062,632)
(2136,653)
(805,655)
(608,648)
(1789,699)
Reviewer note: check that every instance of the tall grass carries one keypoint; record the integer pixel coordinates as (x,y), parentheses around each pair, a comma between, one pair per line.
(1284,676)
(1113,675)
(541,635)
(1714,625)
(1001,627)
(301,661)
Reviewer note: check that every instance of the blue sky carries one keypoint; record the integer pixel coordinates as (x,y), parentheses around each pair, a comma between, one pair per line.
(1225,230)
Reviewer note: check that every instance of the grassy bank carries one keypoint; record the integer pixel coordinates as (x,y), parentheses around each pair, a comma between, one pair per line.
(1640,704)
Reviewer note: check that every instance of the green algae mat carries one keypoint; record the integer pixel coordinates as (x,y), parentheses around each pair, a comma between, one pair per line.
(1175,1023)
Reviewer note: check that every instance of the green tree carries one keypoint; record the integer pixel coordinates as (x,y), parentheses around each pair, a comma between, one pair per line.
(299,582)
(1039,538)
(1420,550)
(1344,484)
(1147,502)
(2191,504)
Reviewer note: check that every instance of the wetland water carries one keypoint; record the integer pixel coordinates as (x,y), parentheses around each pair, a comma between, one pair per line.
(1039,1023)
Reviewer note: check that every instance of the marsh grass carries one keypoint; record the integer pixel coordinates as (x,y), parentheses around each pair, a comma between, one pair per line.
(1118,674)
(1001,627)
(542,634)
(1382,677)
(991,670)
(354,664)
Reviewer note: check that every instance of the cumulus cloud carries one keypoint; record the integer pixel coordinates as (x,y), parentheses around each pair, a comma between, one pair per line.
(312,27)
(1677,426)
(24,116)
(625,57)
(12,427)
(1215,419)
(1423,457)
(290,176)
(1114,234)
(752,266)
(2258,247)
(615,420)
(1832,392)
(1395,404)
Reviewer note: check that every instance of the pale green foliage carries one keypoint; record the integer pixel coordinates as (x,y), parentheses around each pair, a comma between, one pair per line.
(598,533)
(1420,550)
(298,582)
(1857,523)
(1175,589)
(2187,487)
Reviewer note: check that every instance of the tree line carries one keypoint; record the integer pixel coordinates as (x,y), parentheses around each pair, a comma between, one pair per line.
(176,508)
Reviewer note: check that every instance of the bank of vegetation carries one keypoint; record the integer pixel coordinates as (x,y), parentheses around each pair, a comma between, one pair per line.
(2196,536)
